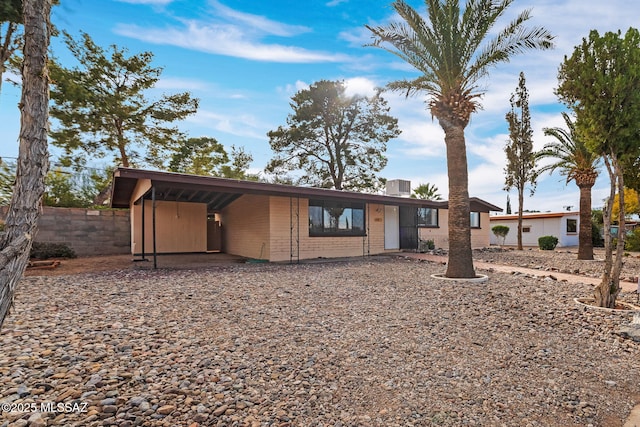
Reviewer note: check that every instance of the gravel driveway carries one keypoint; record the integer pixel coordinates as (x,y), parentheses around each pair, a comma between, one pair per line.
(367,342)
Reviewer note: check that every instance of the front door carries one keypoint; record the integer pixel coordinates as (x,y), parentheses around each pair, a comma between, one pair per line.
(408,228)
(391,228)
(214,235)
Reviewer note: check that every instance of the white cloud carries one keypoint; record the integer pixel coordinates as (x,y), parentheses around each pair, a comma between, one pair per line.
(291,89)
(257,22)
(232,33)
(241,125)
(334,3)
(224,39)
(360,86)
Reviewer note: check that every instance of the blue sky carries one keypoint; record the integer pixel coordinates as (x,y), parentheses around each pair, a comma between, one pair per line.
(244,61)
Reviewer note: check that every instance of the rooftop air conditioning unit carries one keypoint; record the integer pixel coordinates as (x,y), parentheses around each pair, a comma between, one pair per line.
(398,187)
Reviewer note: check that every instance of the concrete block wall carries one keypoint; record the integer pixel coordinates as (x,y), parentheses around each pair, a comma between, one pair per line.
(88,231)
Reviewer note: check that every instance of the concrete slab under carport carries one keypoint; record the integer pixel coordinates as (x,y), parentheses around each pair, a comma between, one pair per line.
(186,261)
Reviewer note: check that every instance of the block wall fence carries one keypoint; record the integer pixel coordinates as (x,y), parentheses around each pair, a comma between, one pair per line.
(88,231)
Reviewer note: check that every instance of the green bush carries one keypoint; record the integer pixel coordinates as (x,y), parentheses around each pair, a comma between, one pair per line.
(46,250)
(596,236)
(427,245)
(547,243)
(632,241)
(500,231)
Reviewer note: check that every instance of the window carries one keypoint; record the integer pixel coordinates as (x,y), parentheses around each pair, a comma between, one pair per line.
(526,229)
(427,217)
(572,225)
(328,218)
(475,219)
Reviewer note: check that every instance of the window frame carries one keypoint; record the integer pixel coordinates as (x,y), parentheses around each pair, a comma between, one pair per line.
(575,226)
(418,216)
(471,220)
(328,232)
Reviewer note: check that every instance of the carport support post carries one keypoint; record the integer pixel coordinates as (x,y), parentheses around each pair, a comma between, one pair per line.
(143,229)
(153,225)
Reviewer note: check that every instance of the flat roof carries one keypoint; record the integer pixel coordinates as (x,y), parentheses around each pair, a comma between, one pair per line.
(535,215)
(219,192)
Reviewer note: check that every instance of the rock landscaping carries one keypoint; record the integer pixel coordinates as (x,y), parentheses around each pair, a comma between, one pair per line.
(366,342)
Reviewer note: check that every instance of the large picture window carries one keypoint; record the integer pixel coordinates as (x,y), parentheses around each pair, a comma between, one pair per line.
(427,217)
(329,218)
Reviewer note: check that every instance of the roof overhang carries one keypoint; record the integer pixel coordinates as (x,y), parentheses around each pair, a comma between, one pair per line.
(219,192)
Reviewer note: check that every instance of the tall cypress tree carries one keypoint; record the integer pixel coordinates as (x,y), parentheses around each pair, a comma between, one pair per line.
(521,161)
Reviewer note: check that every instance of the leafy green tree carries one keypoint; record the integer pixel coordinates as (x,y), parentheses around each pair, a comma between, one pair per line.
(336,140)
(599,82)
(76,189)
(238,167)
(198,156)
(101,108)
(427,192)
(206,156)
(521,161)
(453,49)
(33,155)
(10,34)
(62,191)
(575,161)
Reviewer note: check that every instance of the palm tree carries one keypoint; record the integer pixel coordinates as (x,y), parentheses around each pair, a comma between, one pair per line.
(427,192)
(452,51)
(578,164)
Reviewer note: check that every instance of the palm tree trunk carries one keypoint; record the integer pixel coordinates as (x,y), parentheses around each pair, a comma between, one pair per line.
(460,264)
(585,241)
(33,157)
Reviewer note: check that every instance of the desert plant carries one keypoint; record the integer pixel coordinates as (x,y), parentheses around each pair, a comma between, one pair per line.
(427,245)
(547,243)
(500,231)
(632,241)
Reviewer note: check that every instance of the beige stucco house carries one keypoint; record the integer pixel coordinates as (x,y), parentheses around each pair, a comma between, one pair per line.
(179,213)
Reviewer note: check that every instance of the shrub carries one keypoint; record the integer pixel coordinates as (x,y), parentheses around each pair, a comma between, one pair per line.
(596,236)
(500,231)
(632,241)
(427,245)
(46,250)
(547,243)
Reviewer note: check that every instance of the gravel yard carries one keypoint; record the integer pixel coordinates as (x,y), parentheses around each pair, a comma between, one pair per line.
(367,342)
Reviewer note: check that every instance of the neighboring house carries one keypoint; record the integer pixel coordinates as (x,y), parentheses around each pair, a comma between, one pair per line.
(277,222)
(563,225)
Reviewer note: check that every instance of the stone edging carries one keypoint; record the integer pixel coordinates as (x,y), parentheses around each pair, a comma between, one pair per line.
(585,302)
(480,278)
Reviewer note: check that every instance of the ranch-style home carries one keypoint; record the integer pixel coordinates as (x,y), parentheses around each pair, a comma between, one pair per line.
(178,213)
(563,225)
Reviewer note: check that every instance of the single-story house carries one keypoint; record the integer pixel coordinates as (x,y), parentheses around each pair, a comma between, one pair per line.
(563,225)
(180,213)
